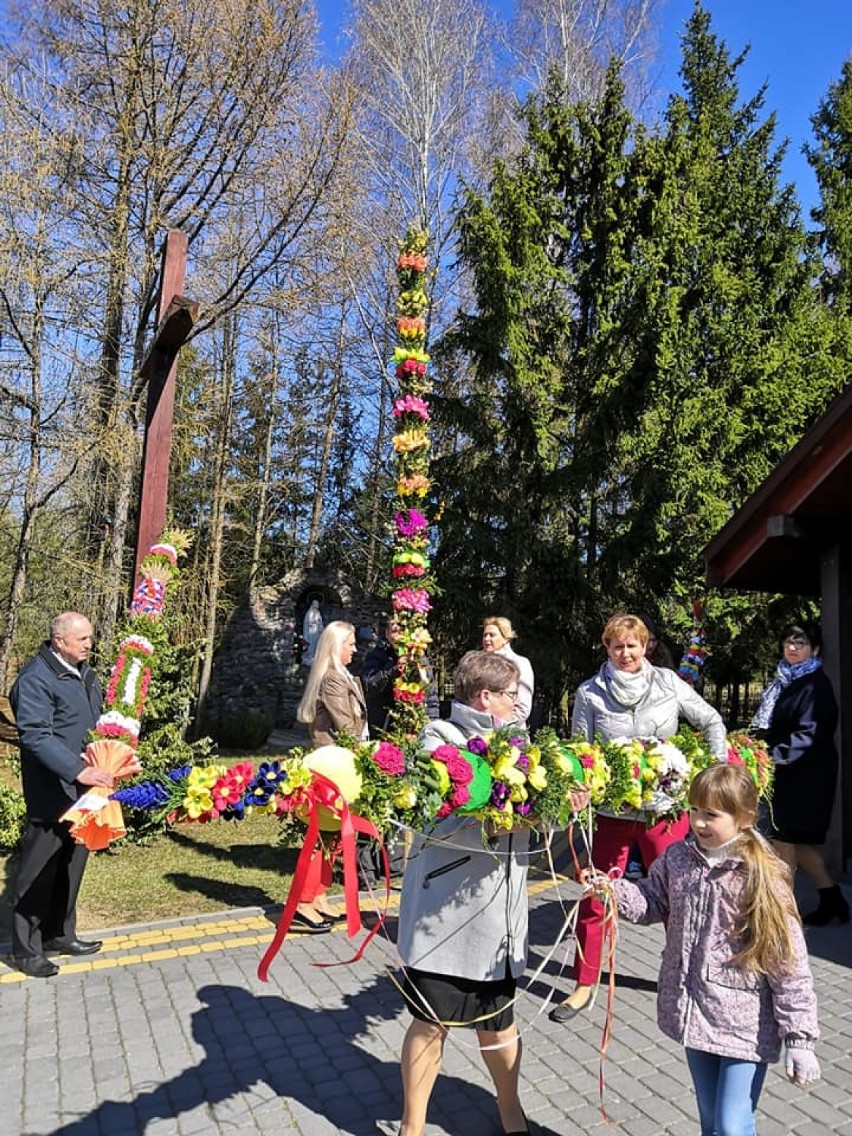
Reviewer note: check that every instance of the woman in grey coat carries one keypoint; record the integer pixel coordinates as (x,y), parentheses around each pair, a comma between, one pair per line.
(628,698)
(463,918)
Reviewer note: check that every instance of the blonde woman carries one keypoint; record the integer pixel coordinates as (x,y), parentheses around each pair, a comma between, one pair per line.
(333,703)
(497,636)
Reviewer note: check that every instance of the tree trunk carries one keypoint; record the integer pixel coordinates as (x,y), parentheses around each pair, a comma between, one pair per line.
(217,515)
(265,474)
(328,442)
(31,504)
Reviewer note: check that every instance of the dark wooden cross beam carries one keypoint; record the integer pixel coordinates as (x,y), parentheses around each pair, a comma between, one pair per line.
(175,318)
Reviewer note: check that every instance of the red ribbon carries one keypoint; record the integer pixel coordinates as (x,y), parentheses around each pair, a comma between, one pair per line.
(323,791)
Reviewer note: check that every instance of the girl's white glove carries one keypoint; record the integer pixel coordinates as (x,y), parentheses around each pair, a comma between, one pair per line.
(802,1066)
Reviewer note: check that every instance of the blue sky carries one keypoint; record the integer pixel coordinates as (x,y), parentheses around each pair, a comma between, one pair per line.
(797,47)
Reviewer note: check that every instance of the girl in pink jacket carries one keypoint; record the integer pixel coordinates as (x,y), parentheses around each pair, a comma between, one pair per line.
(735,982)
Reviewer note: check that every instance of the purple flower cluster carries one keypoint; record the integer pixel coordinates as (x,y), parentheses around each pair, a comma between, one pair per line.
(500,793)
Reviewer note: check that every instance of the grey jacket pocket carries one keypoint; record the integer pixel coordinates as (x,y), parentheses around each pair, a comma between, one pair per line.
(442,871)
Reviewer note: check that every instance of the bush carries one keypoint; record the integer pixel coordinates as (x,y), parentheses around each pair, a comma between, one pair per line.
(13,818)
(244,729)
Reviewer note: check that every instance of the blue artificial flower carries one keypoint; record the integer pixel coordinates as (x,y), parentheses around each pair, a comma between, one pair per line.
(148,795)
(263,785)
(234,812)
(179,774)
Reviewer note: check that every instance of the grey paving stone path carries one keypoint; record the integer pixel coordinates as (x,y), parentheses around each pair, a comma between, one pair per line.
(170,1033)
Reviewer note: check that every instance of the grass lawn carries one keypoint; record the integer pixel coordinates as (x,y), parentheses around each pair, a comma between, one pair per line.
(194,869)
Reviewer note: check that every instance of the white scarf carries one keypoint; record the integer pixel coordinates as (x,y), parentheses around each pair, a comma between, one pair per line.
(628,688)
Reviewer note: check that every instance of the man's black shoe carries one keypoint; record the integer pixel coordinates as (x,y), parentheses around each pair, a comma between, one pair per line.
(74,946)
(36,966)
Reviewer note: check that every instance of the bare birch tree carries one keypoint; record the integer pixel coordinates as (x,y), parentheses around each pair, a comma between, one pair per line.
(574,40)
(40,433)
(170,110)
(420,70)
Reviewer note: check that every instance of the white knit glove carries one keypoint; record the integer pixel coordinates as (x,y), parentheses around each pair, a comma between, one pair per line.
(802,1066)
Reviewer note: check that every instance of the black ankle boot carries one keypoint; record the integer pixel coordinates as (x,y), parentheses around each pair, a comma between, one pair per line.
(832,905)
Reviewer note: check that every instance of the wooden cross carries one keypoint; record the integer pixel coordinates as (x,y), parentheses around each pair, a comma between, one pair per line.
(175,318)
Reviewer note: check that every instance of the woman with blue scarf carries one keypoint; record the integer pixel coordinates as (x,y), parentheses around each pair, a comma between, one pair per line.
(797,716)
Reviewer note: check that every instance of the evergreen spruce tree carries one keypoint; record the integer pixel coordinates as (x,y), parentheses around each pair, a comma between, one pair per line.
(734,359)
(525,461)
(831,159)
(644,344)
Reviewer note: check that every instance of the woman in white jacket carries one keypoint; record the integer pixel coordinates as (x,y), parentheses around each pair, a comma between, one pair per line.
(497,636)
(628,698)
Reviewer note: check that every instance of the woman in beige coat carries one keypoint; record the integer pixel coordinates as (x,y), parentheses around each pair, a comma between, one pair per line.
(333,703)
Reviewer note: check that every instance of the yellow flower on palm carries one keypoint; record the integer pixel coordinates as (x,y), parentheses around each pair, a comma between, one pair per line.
(504,818)
(298,776)
(504,769)
(597,784)
(408,440)
(537,777)
(406,798)
(564,765)
(204,776)
(440,771)
(197,801)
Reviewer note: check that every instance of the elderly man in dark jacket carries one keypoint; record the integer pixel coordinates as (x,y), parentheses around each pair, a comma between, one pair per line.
(57,700)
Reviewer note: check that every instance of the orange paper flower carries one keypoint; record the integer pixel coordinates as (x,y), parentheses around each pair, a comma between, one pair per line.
(95,820)
(96,829)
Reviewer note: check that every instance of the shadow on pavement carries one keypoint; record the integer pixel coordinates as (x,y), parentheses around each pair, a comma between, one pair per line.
(302,1054)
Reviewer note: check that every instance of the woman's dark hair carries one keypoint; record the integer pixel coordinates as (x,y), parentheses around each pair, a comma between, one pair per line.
(808,628)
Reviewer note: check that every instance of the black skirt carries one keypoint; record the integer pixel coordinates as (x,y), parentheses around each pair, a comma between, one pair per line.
(463,1002)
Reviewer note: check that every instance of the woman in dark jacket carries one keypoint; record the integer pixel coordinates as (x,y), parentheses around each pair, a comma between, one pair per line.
(797,716)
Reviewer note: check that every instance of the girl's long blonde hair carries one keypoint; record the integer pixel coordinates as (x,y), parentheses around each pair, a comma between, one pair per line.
(327,658)
(766,903)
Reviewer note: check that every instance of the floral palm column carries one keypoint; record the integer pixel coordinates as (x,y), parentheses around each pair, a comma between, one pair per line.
(410,571)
